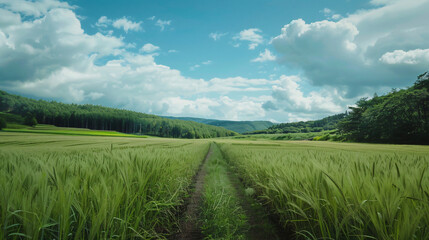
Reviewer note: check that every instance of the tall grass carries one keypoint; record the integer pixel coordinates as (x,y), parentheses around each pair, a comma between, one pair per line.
(112,193)
(222,217)
(326,192)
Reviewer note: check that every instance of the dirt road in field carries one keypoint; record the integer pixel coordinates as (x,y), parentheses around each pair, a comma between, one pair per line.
(189,228)
(261,226)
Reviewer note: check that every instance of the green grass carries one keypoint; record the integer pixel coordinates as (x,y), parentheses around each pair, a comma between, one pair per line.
(79,187)
(50,129)
(222,217)
(330,190)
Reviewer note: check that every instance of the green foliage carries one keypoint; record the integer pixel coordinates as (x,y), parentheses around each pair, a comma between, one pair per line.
(236,126)
(30,121)
(281,136)
(329,190)
(222,217)
(104,118)
(328,123)
(3,123)
(63,187)
(402,116)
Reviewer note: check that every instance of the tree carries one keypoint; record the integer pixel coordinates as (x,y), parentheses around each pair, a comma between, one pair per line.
(30,121)
(3,123)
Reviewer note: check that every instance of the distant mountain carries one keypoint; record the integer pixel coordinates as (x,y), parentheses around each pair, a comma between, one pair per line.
(236,126)
(327,123)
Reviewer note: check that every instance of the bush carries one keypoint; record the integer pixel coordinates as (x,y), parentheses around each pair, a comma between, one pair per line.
(325,137)
(3,123)
(30,121)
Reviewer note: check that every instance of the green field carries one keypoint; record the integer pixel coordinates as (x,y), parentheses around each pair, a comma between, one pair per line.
(50,129)
(99,187)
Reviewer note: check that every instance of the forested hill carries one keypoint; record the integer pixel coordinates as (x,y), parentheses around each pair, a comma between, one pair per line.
(328,123)
(104,118)
(236,126)
(401,116)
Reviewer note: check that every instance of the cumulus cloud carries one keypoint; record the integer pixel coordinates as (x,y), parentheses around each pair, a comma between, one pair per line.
(355,54)
(126,25)
(331,14)
(52,57)
(121,23)
(148,48)
(162,23)
(250,35)
(33,8)
(265,57)
(289,97)
(417,56)
(216,36)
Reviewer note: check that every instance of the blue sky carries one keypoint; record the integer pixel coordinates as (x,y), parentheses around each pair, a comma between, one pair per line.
(239,60)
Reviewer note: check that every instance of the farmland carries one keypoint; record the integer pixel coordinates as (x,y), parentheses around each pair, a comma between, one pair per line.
(68,187)
(98,187)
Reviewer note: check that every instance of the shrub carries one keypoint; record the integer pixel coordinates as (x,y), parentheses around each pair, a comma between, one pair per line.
(3,123)
(30,121)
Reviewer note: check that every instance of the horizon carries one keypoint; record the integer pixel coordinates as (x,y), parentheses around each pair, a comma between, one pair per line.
(278,61)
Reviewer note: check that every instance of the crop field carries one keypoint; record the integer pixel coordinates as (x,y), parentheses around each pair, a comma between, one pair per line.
(50,129)
(97,187)
(69,187)
(326,190)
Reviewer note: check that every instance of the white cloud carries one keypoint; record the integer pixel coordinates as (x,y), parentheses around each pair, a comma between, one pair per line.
(162,23)
(33,8)
(151,18)
(251,35)
(265,56)
(417,56)
(329,14)
(121,23)
(216,36)
(126,25)
(148,48)
(207,62)
(355,54)
(103,21)
(288,99)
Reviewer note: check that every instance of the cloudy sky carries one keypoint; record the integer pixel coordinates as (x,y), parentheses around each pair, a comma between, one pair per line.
(278,60)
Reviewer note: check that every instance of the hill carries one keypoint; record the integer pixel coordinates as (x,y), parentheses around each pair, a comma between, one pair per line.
(236,126)
(327,123)
(105,118)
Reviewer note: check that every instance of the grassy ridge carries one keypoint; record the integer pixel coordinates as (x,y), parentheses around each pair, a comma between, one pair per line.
(58,187)
(340,191)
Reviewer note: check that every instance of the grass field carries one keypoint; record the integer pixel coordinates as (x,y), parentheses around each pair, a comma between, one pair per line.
(74,187)
(327,190)
(99,187)
(50,129)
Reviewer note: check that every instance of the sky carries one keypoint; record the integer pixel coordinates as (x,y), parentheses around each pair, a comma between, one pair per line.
(276,60)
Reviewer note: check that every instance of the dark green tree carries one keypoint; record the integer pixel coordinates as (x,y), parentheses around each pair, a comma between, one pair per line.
(30,121)
(3,123)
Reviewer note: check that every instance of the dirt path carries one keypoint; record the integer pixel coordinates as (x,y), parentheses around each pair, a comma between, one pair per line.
(189,228)
(261,226)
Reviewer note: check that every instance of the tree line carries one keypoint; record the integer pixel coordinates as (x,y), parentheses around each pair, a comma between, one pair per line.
(328,123)
(105,118)
(401,116)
